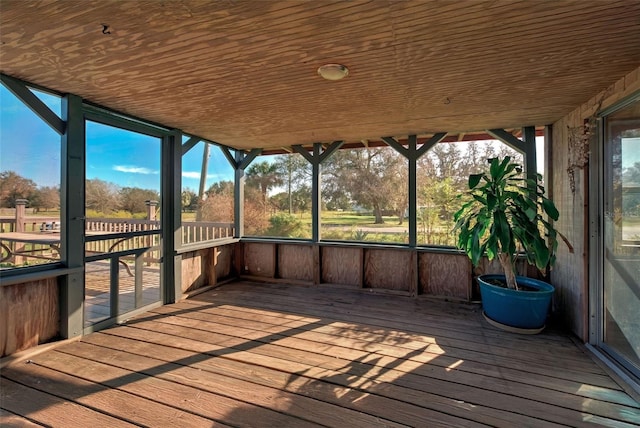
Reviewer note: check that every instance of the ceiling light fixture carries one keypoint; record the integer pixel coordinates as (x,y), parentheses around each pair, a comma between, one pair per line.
(333,71)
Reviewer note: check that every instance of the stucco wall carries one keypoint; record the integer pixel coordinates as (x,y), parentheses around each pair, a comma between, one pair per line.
(570,275)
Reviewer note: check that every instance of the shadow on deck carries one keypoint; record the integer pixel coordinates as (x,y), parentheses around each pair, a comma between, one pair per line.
(248,354)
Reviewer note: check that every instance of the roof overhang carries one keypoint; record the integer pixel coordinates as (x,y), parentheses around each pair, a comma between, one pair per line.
(244,73)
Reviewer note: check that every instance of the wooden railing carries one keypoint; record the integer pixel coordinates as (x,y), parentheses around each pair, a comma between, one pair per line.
(33,224)
(117,225)
(18,252)
(197,231)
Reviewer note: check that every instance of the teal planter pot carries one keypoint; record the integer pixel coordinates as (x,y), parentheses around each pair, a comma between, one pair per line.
(516,308)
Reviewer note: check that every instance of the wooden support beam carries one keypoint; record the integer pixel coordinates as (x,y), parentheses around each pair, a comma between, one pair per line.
(390,141)
(239,161)
(303,152)
(330,150)
(190,144)
(527,146)
(247,158)
(508,139)
(427,145)
(20,90)
(412,153)
(316,160)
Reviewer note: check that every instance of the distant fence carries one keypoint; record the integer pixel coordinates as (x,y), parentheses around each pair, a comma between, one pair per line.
(17,252)
(192,231)
(120,225)
(29,224)
(197,231)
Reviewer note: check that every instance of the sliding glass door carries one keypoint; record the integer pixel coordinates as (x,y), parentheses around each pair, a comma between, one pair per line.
(619,292)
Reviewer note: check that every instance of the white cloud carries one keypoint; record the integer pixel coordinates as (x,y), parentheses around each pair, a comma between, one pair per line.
(134,169)
(190,174)
(196,175)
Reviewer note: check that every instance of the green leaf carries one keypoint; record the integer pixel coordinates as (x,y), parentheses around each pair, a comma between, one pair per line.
(494,168)
(550,208)
(530,213)
(491,201)
(474,179)
(480,199)
(502,230)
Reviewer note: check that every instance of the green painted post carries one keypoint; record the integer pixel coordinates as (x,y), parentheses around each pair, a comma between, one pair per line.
(530,158)
(316,160)
(170,220)
(412,154)
(413,191)
(239,162)
(316,197)
(238,196)
(72,215)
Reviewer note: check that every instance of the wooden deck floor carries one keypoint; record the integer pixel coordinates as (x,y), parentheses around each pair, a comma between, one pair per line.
(260,355)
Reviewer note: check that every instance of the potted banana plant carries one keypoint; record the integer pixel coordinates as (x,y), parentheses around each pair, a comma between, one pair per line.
(504,217)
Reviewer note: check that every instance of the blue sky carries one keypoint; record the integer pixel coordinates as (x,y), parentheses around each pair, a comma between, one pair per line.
(27,145)
(32,149)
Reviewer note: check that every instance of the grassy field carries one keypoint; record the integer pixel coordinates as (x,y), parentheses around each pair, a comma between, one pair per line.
(331,218)
(349,218)
(336,225)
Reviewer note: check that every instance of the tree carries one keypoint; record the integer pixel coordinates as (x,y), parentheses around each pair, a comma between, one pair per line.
(446,159)
(219,203)
(47,197)
(102,196)
(374,178)
(255,220)
(264,176)
(189,200)
(14,186)
(224,187)
(133,199)
(631,190)
(296,171)
(218,207)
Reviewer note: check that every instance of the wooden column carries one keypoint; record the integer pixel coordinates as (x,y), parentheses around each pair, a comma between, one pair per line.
(151,209)
(170,221)
(21,208)
(239,162)
(412,154)
(316,160)
(72,211)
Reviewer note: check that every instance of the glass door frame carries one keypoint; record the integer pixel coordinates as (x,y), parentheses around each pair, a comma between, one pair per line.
(166,137)
(598,181)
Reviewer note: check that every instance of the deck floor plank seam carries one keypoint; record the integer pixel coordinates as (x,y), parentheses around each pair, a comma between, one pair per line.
(258,354)
(265,370)
(479,369)
(417,311)
(575,357)
(488,393)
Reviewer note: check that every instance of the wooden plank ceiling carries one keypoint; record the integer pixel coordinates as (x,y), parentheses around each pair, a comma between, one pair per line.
(243,72)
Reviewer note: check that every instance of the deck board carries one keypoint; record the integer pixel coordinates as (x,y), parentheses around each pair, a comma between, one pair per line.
(249,354)
(11,420)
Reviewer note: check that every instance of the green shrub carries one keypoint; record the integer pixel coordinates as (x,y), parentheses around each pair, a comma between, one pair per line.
(285,225)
